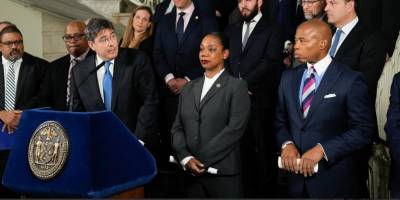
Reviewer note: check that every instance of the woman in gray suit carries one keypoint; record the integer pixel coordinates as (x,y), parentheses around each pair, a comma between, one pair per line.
(212,116)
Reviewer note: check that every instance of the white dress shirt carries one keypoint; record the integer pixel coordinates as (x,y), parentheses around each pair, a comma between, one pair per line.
(17,67)
(346,29)
(100,73)
(253,24)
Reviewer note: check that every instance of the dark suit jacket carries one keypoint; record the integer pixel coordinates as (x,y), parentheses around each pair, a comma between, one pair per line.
(381,15)
(210,129)
(364,51)
(134,96)
(341,124)
(31,77)
(54,92)
(181,59)
(392,129)
(260,64)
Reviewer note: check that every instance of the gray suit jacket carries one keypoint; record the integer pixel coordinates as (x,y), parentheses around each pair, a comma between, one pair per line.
(210,130)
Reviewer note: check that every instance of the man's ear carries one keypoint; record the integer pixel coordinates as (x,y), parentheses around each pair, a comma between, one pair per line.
(226,54)
(91,45)
(323,44)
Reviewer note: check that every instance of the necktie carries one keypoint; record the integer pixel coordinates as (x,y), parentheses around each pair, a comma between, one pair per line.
(107,86)
(308,92)
(180,26)
(71,65)
(9,102)
(246,34)
(335,42)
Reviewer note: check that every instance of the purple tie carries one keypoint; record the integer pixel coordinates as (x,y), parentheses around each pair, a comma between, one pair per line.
(308,91)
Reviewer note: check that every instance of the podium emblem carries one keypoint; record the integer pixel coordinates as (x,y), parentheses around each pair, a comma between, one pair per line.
(48,150)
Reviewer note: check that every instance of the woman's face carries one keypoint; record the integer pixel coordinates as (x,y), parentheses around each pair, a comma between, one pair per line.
(141,21)
(212,53)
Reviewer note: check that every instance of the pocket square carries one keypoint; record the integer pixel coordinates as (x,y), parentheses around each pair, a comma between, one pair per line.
(329,96)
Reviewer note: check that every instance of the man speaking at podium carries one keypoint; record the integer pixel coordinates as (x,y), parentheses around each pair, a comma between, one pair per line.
(116,79)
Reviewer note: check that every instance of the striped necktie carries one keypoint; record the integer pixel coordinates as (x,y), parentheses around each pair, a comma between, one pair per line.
(308,92)
(72,64)
(9,97)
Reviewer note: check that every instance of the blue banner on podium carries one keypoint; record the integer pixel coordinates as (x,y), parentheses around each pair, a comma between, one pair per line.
(104,157)
(6,139)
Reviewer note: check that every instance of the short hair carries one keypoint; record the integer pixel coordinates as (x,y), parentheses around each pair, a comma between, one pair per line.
(8,23)
(221,37)
(9,29)
(96,25)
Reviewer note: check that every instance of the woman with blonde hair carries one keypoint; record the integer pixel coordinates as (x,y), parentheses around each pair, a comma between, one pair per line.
(139,31)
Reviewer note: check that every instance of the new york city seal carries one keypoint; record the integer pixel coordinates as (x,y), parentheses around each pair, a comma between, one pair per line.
(48,150)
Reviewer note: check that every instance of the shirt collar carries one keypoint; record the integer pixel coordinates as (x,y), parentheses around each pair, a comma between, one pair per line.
(189,10)
(81,57)
(349,26)
(321,66)
(100,60)
(5,61)
(215,76)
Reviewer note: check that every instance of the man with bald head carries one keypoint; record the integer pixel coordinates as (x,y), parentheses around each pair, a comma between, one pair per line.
(56,92)
(324,115)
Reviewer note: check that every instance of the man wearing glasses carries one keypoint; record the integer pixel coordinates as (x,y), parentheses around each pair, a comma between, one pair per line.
(56,92)
(21,75)
(314,9)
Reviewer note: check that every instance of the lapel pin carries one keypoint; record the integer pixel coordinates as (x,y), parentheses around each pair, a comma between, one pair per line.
(197,17)
(218,85)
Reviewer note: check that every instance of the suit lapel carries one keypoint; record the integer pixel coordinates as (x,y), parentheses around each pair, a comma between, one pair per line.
(327,82)
(197,92)
(216,87)
(254,33)
(194,20)
(348,42)
(23,71)
(118,73)
(93,84)
(171,27)
(296,84)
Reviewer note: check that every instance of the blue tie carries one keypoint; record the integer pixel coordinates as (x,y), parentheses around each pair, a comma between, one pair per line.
(180,27)
(107,86)
(335,43)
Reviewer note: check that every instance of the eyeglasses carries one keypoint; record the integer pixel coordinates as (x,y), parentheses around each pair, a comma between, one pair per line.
(309,3)
(106,40)
(76,37)
(11,43)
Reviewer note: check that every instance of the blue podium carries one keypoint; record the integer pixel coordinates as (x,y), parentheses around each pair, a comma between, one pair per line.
(104,157)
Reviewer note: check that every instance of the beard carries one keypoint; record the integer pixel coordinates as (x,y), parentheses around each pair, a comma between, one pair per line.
(252,14)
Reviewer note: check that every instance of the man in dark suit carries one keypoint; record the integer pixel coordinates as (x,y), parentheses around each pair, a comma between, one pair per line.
(21,75)
(176,60)
(361,49)
(116,79)
(56,91)
(324,115)
(392,130)
(256,57)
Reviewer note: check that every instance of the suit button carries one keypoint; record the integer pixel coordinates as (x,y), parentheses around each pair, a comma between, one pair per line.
(195,138)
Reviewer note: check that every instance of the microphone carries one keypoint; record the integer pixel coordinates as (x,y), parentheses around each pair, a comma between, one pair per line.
(82,82)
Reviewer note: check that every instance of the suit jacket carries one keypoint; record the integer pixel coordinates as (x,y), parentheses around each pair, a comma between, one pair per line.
(210,129)
(364,51)
(181,59)
(260,64)
(392,130)
(54,92)
(341,124)
(30,78)
(134,95)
